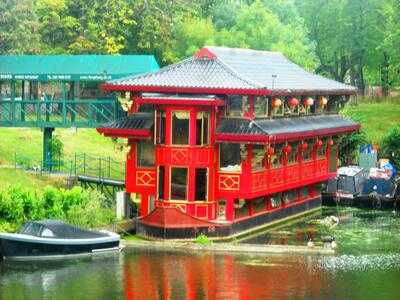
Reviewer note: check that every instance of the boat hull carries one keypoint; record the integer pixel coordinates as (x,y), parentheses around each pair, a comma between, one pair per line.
(14,247)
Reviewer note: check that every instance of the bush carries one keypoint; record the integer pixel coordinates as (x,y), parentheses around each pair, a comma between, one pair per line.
(77,206)
(349,145)
(202,239)
(390,147)
(56,147)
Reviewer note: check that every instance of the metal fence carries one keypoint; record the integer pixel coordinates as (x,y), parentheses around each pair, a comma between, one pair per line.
(79,164)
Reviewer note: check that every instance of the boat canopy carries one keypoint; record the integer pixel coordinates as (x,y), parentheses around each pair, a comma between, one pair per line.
(57,229)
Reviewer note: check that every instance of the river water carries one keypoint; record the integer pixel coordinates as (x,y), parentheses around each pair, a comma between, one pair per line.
(367,266)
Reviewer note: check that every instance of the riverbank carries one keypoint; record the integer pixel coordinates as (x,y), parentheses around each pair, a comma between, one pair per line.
(232,248)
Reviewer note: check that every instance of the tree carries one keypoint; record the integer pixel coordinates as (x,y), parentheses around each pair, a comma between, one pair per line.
(58,30)
(190,34)
(349,146)
(391,146)
(257,27)
(19,27)
(347,35)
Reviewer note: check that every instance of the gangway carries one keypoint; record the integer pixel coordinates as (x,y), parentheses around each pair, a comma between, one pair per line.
(63,91)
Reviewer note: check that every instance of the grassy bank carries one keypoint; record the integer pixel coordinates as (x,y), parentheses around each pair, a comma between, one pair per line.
(375,115)
(29,142)
(19,177)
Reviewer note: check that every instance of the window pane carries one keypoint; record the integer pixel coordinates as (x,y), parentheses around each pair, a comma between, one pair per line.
(322,150)
(229,157)
(276,200)
(257,163)
(202,128)
(146,108)
(260,106)
(201,184)
(241,208)
(292,156)
(259,204)
(180,128)
(178,183)
(290,196)
(237,105)
(307,154)
(276,157)
(205,128)
(160,127)
(145,153)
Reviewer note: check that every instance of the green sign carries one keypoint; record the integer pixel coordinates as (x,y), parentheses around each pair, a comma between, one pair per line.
(60,77)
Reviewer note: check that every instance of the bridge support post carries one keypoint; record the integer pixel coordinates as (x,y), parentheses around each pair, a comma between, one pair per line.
(47,158)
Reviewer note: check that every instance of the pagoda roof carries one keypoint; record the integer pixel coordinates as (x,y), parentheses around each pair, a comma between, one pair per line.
(222,70)
(282,129)
(138,125)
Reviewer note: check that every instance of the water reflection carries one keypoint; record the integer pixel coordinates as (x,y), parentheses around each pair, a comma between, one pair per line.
(155,276)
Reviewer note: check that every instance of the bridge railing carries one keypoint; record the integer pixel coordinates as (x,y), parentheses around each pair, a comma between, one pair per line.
(79,164)
(97,166)
(59,113)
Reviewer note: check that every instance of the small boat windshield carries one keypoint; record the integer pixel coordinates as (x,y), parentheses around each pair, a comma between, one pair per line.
(31,229)
(47,233)
(346,184)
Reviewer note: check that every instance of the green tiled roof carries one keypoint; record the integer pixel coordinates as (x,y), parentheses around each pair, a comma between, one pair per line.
(74,67)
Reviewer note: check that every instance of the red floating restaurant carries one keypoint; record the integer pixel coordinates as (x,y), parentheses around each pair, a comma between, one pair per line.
(227,141)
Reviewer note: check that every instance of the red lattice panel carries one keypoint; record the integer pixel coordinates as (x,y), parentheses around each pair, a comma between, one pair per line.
(307,171)
(276,177)
(146,178)
(229,182)
(179,156)
(259,181)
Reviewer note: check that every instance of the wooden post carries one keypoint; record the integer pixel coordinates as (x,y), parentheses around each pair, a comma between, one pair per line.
(167,176)
(12,100)
(144,204)
(230,209)
(22,102)
(47,157)
(192,189)
(192,128)
(168,127)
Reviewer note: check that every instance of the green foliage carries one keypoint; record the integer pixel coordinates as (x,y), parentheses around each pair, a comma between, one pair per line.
(202,239)
(18,27)
(390,147)
(349,40)
(76,206)
(349,146)
(56,147)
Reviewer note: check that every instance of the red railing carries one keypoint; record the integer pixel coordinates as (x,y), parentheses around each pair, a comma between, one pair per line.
(252,184)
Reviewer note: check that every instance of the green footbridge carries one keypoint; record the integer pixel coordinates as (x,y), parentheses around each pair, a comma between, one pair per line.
(63,91)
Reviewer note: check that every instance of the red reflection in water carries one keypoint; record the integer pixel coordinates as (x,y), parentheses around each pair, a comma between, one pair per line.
(155,276)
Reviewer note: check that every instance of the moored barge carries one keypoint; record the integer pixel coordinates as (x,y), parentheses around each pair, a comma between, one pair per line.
(228,140)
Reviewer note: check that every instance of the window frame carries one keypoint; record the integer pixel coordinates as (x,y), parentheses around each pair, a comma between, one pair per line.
(172,128)
(170,183)
(266,101)
(219,160)
(138,165)
(206,185)
(202,128)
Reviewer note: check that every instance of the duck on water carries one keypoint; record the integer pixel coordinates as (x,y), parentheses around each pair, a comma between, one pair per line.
(50,239)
